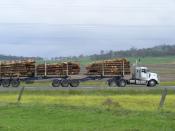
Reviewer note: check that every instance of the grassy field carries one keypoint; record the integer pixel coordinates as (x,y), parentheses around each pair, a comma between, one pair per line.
(121,109)
(154,60)
(77,110)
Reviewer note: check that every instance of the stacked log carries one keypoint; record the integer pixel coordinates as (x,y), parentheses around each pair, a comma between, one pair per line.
(26,68)
(22,68)
(68,68)
(52,69)
(109,67)
(73,68)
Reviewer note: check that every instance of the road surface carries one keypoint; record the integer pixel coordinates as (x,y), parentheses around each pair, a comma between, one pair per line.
(90,88)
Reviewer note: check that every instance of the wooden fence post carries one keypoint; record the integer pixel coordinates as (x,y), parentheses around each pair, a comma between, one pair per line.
(163,97)
(20,94)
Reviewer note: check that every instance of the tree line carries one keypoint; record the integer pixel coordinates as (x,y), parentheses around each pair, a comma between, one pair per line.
(157,51)
(9,57)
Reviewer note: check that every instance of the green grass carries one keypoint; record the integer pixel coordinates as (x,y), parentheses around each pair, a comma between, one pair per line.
(70,118)
(127,102)
(90,92)
(154,60)
(85,61)
(102,109)
(169,83)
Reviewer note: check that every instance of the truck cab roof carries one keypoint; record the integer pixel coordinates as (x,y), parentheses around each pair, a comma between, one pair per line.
(140,68)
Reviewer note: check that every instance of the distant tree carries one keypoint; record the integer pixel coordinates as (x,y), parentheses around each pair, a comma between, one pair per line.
(81,56)
(102,52)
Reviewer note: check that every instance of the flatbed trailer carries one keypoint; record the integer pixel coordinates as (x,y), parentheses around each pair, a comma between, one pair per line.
(63,81)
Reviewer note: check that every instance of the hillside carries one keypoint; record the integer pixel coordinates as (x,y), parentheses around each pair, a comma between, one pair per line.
(157,51)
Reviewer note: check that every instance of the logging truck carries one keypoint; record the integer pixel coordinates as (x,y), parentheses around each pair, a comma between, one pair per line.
(115,72)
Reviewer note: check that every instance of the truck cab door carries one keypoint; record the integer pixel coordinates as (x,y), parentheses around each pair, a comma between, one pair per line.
(144,74)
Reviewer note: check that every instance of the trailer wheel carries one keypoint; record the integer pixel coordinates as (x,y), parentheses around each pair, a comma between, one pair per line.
(6,83)
(64,83)
(121,83)
(74,83)
(111,83)
(151,83)
(55,83)
(15,83)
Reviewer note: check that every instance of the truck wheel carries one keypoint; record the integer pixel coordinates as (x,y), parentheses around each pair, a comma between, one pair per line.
(121,83)
(112,83)
(6,83)
(65,83)
(74,83)
(55,83)
(15,83)
(151,83)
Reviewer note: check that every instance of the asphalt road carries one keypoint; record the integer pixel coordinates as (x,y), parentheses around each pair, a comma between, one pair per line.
(77,88)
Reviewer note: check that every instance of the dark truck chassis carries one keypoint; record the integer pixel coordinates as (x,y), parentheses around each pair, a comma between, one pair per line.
(65,81)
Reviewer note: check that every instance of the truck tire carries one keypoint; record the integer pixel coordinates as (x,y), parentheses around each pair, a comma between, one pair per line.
(74,83)
(55,83)
(6,83)
(15,83)
(152,83)
(121,83)
(64,83)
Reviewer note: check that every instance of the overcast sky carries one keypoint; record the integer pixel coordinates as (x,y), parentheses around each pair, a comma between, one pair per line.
(51,28)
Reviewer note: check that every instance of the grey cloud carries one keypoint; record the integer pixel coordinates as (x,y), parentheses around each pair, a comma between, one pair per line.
(71,27)
(125,12)
(64,40)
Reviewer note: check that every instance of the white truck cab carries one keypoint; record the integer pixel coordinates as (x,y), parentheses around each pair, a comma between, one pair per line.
(142,75)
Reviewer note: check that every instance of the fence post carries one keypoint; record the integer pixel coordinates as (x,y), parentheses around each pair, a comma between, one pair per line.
(163,97)
(20,94)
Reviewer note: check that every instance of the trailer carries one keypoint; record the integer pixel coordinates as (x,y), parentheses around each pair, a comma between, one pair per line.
(12,73)
(113,71)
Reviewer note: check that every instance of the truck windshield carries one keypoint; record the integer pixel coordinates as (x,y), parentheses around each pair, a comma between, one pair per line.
(145,70)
